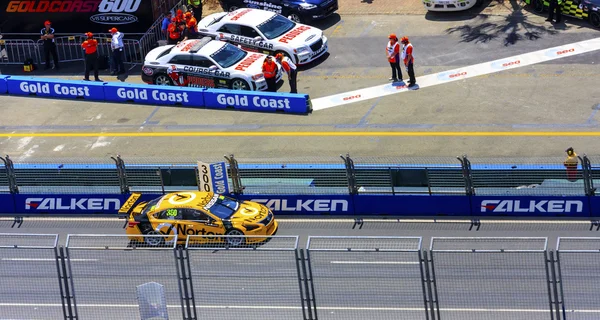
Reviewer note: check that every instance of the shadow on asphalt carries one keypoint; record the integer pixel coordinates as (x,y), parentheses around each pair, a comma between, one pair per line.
(515,27)
(327,23)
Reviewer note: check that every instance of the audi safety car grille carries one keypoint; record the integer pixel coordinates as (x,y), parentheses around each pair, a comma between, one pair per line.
(317,45)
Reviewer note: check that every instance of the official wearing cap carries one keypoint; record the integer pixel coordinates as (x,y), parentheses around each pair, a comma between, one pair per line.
(290,68)
(116,44)
(90,46)
(49,45)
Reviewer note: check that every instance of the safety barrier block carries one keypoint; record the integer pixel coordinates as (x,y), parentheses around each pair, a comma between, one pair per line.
(155,95)
(257,101)
(3,88)
(7,203)
(55,88)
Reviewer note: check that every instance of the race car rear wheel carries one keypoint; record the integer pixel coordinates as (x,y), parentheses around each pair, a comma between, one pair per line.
(239,84)
(154,240)
(538,6)
(162,80)
(236,238)
(595,19)
(295,17)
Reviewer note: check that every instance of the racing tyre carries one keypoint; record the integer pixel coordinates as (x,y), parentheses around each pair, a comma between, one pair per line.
(236,238)
(239,84)
(232,8)
(295,17)
(162,79)
(538,6)
(154,241)
(478,3)
(595,19)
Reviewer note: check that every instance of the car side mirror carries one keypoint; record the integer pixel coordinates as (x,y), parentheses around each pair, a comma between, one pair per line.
(258,38)
(212,68)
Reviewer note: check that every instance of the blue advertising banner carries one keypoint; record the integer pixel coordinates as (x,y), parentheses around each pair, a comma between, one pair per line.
(55,88)
(3,87)
(412,205)
(72,203)
(154,95)
(305,204)
(257,101)
(528,206)
(594,206)
(220,181)
(7,204)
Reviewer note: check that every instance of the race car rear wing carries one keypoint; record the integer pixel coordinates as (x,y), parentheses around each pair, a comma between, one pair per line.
(129,205)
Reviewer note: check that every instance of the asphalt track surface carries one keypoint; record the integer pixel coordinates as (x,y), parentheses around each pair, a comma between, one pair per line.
(263,284)
(549,98)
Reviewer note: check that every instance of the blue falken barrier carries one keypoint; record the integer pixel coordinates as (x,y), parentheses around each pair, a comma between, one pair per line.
(55,88)
(154,95)
(68,204)
(538,206)
(3,87)
(257,101)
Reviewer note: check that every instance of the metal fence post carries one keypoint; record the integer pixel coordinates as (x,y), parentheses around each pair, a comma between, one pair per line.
(69,295)
(467,175)
(350,174)
(122,173)
(234,174)
(426,293)
(431,286)
(588,182)
(309,285)
(555,283)
(306,294)
(10,174)
(187,304)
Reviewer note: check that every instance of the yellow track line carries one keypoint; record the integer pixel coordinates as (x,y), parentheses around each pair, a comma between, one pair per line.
(308,134)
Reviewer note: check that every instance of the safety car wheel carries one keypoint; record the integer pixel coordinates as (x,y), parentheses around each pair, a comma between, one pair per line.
(232,8)
(236,238)
(239,84)
(295,17)
(162,80)
(538,6)
(154,240)
(595,19)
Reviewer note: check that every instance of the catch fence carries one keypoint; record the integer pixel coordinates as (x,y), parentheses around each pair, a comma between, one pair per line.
(210,277)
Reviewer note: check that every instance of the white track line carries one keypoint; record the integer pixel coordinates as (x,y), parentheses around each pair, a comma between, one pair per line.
(517,61)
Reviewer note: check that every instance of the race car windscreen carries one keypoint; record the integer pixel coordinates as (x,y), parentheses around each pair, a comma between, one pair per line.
(276,26)
(228,55)
(224,207)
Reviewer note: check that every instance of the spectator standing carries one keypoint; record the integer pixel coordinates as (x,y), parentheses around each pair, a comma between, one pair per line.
(165,23)
(407,54)
(554,5)
(174,33)
(196,8)
(90,46)
(290,68)
(49,44)
(269,70)
(571,164)
(191,27)
(116,44)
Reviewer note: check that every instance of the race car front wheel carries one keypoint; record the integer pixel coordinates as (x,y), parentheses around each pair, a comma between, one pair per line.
(595,19)
(235,237)
(239,84)
(538,6)
(162,80)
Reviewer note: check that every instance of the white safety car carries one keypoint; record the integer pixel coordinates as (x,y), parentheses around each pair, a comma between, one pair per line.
(206,63)
(267,32)
(451,5)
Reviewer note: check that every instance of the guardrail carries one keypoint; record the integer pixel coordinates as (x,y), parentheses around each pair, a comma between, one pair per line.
(96,276)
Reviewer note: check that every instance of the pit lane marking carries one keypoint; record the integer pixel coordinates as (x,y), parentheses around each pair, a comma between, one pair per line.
(476,70)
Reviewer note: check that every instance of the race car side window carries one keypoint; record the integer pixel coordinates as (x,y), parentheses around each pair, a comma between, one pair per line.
(182,59)
(230,28)
(170,214)
(202,62)
(195,215)
(249,32)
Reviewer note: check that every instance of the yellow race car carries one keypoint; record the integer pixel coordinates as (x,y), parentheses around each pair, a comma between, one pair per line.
(179,214)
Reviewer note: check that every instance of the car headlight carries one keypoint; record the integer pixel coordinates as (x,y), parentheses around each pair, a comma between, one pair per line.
(307,6)
(258,76)
(250,227)
(301,49)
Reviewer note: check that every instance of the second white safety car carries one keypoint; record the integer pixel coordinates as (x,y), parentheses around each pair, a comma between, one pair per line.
(206,63)
(267,32)
(451,5)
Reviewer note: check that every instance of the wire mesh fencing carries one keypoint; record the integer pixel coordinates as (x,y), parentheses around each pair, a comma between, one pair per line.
(29,276)
(107,271)
(491,278)
(526,176)
(245,277)
(367,278)
(578,260)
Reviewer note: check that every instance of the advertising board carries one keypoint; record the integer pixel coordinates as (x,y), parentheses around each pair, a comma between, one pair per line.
(305,204)
(531,206)
(3,88)
(412,205)
(154,95)
(213,177)
(76,16)
(257,101)
(72,203)
(55,88)
(7,204)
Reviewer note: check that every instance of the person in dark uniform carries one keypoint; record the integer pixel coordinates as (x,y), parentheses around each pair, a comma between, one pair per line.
(554,6)
(90,46)
(49,45)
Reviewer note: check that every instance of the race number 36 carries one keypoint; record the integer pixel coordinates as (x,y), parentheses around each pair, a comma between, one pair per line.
(117,6)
